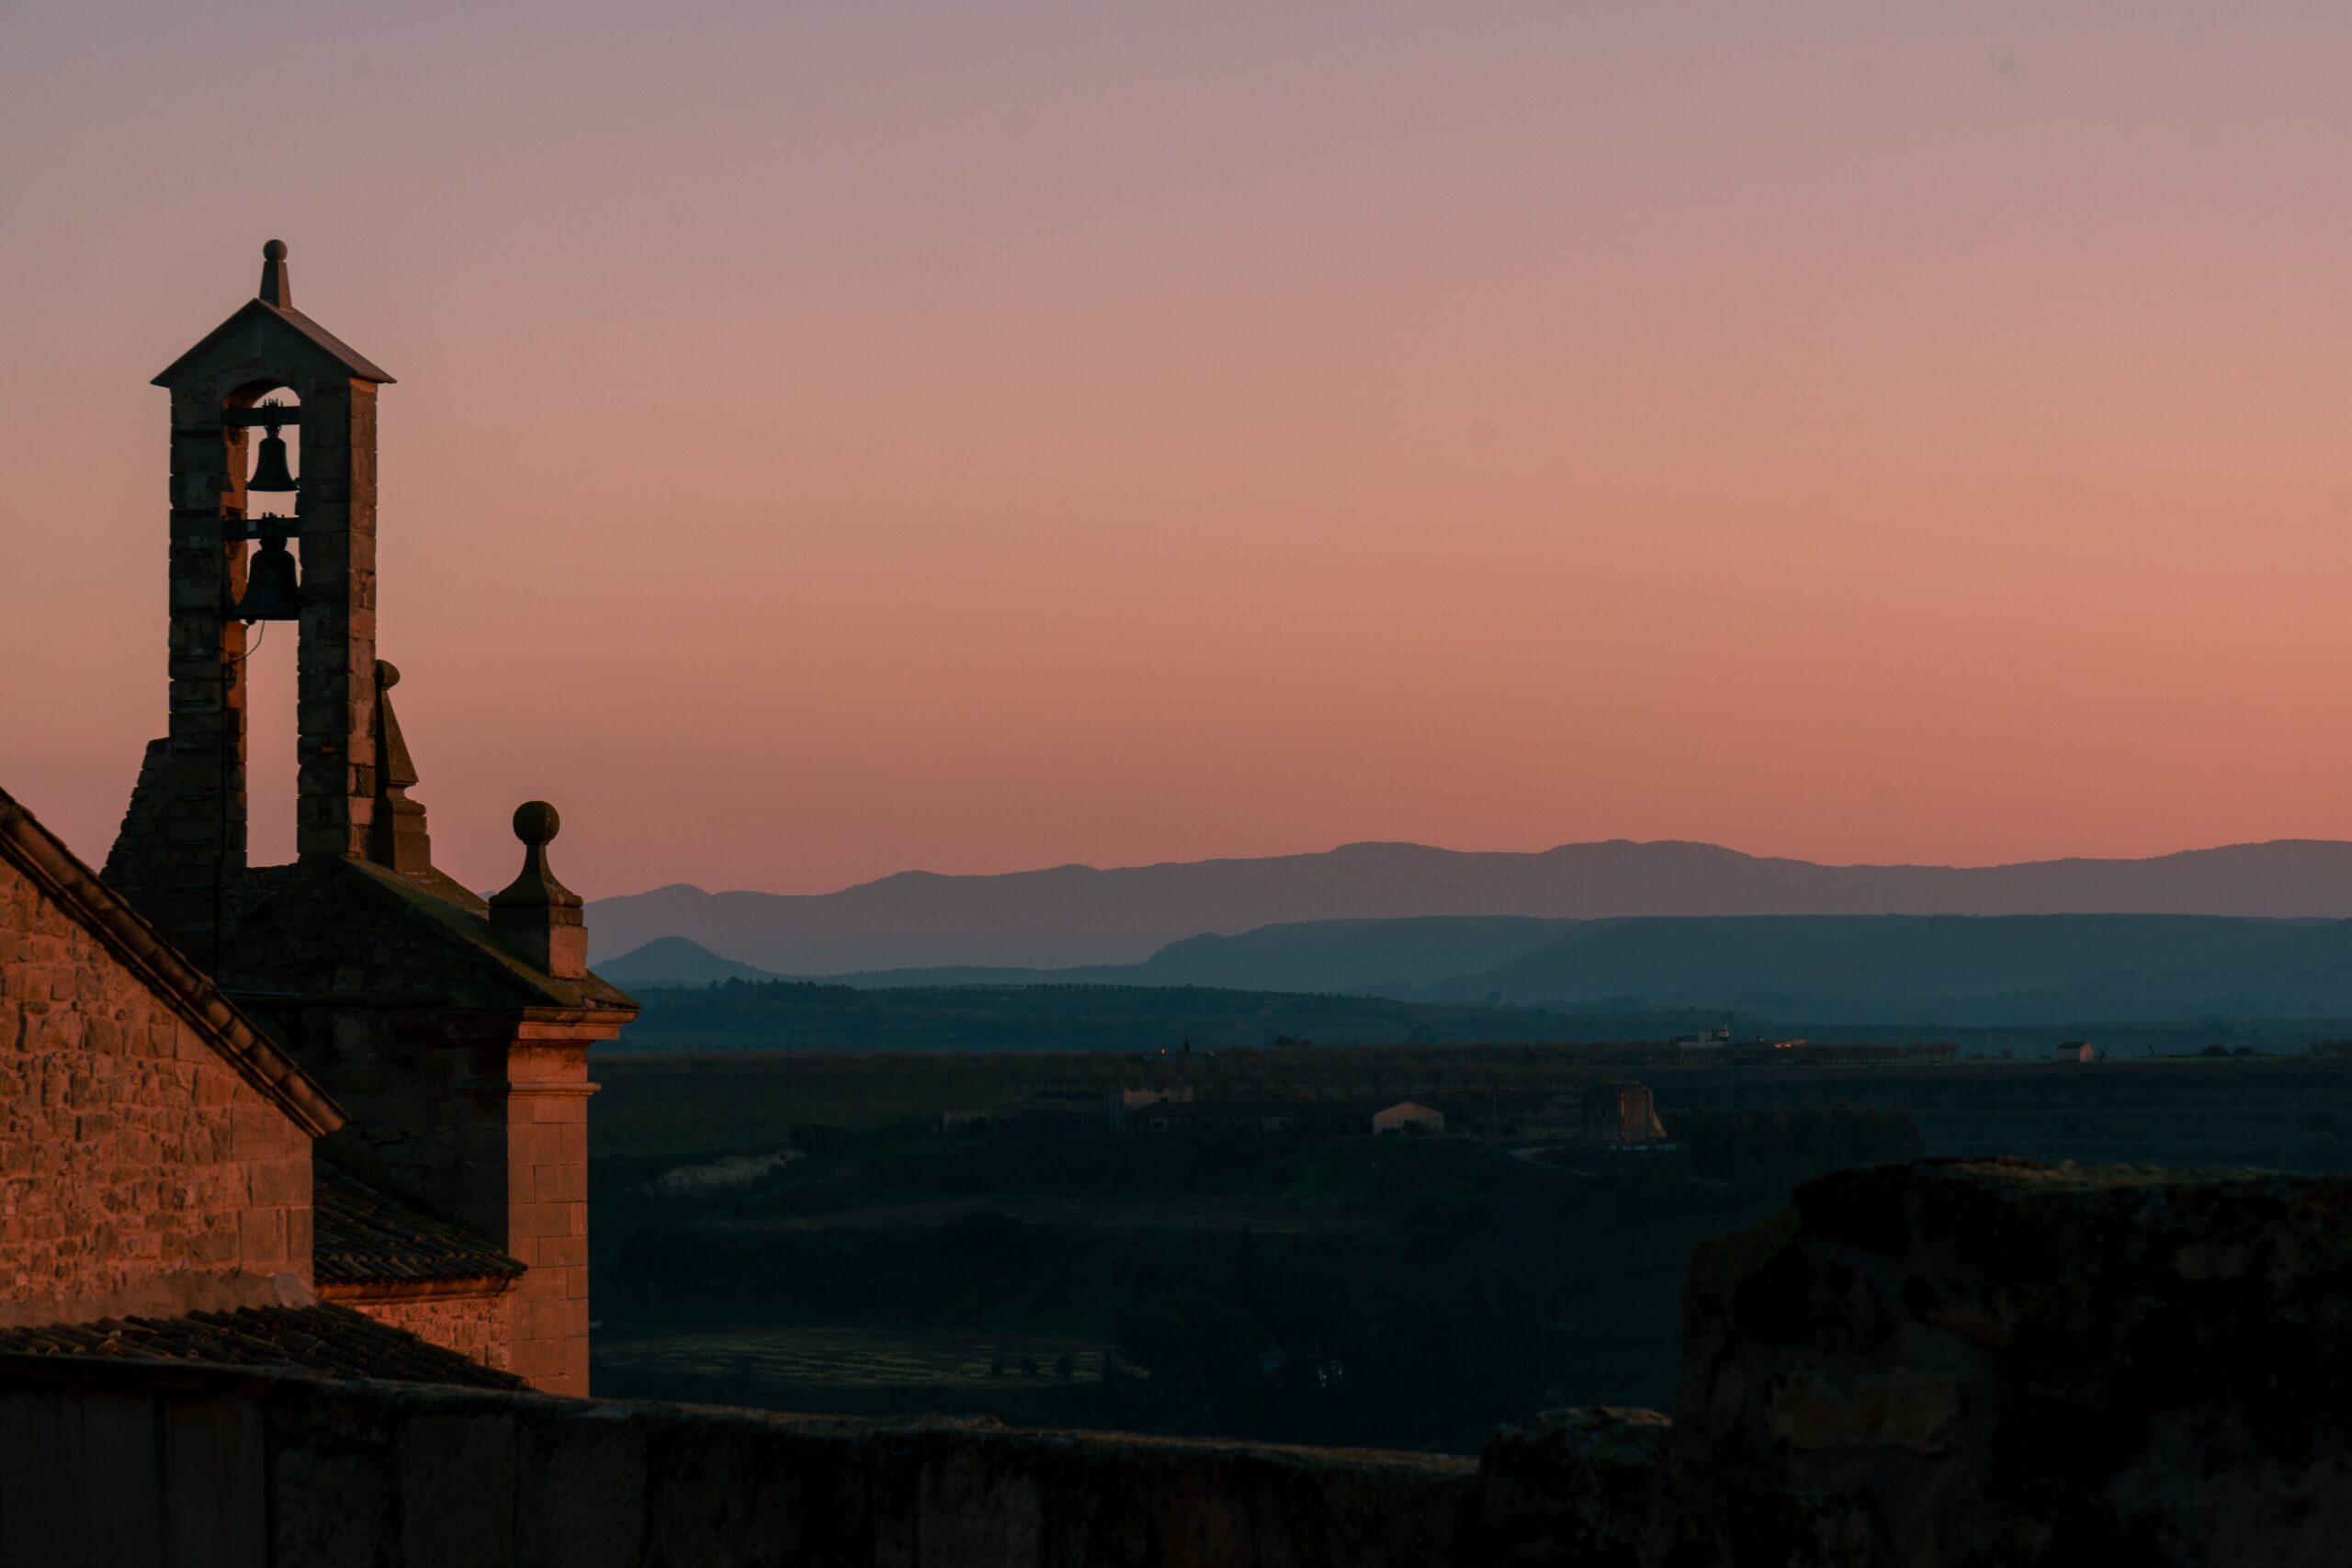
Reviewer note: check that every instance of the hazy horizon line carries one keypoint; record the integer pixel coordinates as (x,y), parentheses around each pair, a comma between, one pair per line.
(1442,849)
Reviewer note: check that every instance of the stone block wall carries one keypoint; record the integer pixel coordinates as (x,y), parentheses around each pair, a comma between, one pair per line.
(492,1131)
(405,1476)
(1993,1361)
(1963,1365)
(547,1211)
(138,1171)
(395,1073)
(480,1112)
(480,1326)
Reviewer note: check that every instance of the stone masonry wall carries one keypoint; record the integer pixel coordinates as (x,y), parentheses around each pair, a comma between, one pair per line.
(1996,1362)
(478,1112)
(1967,1365)
(481,1327)
(547,1211)
(492,1131)
(138,1171)
(404,1086)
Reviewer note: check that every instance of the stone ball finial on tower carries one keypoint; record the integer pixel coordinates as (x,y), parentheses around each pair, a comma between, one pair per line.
(539,917)
(537,823)
(276,288)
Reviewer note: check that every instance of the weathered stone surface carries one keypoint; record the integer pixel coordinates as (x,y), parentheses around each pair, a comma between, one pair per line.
(139,1171)
(1582,1486)
(465,1074)
(478,1326)
(652,1484)
(1998,1362)
(436,1016)
(1946,1365)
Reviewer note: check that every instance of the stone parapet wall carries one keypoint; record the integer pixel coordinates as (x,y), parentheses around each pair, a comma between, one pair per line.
(139,1171)
(401,1476)
(1962,1365)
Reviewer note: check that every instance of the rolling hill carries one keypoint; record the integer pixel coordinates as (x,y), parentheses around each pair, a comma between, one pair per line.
(1076,915)
(1909,972)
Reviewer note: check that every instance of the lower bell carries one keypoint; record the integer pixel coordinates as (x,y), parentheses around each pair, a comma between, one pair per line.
(269,586)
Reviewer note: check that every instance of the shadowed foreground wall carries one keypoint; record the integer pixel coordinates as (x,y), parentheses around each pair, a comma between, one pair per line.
(1962,1364)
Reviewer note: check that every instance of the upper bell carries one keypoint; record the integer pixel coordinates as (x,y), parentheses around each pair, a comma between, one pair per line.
(269,585)
(269,465)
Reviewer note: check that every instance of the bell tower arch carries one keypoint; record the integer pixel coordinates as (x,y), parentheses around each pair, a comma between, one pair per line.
(184,842)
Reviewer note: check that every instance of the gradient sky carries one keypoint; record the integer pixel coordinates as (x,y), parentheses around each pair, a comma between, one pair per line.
(838,438)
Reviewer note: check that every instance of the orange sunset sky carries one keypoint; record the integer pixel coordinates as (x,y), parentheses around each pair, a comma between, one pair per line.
(836,438)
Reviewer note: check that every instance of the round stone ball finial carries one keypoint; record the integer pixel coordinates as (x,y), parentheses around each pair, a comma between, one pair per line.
(388,674)
(536,824)
(277,287)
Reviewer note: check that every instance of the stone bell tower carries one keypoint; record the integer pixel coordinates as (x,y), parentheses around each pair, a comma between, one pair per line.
(453,1030)
(184,844)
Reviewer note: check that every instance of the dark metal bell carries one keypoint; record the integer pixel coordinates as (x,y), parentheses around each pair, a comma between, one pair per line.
(269,585)
(269,465)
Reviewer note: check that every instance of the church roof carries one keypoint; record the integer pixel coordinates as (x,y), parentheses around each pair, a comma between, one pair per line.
(360,1236)
(36,852)
(353,930)
(332,1340)
(460,915)
(269,313)
(248,328)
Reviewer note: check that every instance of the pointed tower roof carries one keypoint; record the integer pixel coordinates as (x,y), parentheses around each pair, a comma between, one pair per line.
(265,326)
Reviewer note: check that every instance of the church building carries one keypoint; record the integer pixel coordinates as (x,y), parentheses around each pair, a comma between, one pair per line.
(310,1108)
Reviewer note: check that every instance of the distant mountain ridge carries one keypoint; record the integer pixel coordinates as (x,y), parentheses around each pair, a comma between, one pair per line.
(1070,915)
(1909,972)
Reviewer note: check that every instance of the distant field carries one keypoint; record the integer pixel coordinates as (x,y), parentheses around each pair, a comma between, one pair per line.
(2288,1111)
(1122,1209)
(855,1357)
(784,1229)
(861,1371)
(808,1015)
(681,1103)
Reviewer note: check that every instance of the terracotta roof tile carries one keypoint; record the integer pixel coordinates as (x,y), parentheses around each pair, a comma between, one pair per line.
(358,1235)
(331,1340)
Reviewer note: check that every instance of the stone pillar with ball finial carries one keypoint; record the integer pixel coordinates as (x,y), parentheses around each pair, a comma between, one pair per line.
(536,1164)
(535,915)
